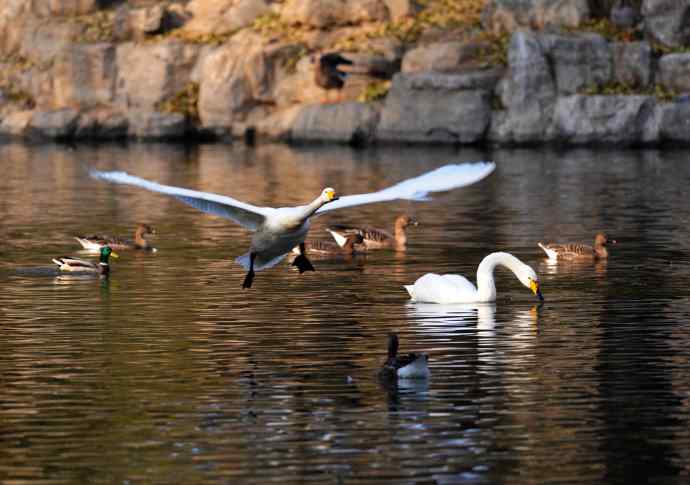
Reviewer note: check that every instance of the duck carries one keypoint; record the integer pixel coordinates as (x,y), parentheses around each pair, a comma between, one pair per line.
(278,230)
(97,241)
(410,366)
(453,288)
(575,251)
(319,246)
(375,238)
(70,264)
(327,74)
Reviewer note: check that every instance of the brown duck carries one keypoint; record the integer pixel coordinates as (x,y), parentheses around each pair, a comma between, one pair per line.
(353,242)
(97,241)
(578,251)
(375,238)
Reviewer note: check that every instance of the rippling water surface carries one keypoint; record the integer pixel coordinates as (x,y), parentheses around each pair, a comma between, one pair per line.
(169,372)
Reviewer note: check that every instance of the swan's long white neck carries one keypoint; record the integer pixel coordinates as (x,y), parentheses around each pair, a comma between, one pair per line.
(306,211)
(486,287)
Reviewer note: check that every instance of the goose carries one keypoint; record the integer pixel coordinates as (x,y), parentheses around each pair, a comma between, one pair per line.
(452,288)
(278,230)
(376,238)
(318,246)
(578,251)
(97,241)
(410,366)
(66,263)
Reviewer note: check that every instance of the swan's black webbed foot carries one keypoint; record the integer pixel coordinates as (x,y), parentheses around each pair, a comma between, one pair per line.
(301,261)
(303,264)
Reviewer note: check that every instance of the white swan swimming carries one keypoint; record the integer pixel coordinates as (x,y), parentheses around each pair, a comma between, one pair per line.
(453,288)
(278,230)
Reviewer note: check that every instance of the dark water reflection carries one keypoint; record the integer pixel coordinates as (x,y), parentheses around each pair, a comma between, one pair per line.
(169,372)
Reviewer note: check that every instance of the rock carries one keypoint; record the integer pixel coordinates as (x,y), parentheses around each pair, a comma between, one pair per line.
(632,63)
(321,14)
(129,23)
(12,16)
(401,9)
(224,90)
(623,15)
(444,57)
(352,123)
(84,76)
(153,125)
(509,15)
(148,74)
(223,16)
(441,108)
(578,61)
(241,75)
(64,8)
(16,124)
(667,21)
(101,124)
(276,127)
(55,125)
(674,124)
(621,120)
(674,71)
(528,92)
(42,40)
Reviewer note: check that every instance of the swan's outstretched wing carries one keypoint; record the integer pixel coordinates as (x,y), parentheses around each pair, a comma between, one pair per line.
(418,188)
(244,214)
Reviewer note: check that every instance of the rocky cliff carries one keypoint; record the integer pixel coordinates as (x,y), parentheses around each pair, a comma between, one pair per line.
(425,71)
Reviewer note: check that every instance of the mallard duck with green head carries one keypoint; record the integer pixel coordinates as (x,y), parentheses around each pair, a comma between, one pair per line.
(76,265)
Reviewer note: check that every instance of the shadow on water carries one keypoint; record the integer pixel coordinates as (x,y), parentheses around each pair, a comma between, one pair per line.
(169,371)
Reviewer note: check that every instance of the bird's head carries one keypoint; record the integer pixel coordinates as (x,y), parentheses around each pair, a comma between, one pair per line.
(106,252)
(328,195)
(530,279)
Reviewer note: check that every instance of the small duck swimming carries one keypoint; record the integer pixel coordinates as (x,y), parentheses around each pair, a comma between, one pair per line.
(97,241)
(68,264)
(375,238)
(410,366)
(576,251)
(319,246)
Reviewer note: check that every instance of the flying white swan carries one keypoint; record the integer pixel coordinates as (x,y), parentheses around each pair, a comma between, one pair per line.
(278,230)
(453,288)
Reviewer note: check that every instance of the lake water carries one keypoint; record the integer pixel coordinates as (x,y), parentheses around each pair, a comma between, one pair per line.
(168,371)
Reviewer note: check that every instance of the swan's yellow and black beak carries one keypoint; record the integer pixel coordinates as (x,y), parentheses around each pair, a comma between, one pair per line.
(534,286)
(330,195)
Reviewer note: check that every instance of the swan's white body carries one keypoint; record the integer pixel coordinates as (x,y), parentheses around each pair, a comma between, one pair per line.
(277,231)
(452,288)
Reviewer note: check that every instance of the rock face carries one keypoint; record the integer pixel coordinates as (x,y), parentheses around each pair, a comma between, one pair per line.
(510,15)
(328,13)
(632,63)
(352,123)
(578,61)
(164,69)
(667,21)
(674,72)
(528,93)
(436,108)
(602,119)
(443,57)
